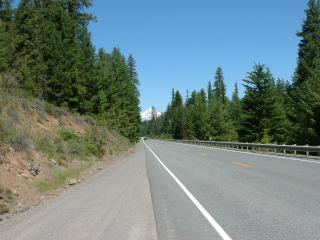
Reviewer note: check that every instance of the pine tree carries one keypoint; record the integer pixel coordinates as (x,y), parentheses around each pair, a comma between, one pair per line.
(220,125)
(259,105)
(219,86)
(235,108)
(118,93)
(305,92)
(190,116)
(177,116)
(6,35)
(210,91)
(134,95)
(200,116)
(4,48)
(30,59)
(280,124)
(166,125)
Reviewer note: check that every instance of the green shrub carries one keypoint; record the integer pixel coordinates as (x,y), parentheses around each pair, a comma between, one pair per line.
(60,177)
(4,208)
(87,145)
(20,140)
(6,195)
(60,149)
(17,138)
(266,137)
(5,129)
(13,114)
(90,120)
(8,83)
(68,134)
(44,144)
(53,110)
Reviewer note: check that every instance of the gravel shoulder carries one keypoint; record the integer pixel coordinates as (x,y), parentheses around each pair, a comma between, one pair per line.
(114,204)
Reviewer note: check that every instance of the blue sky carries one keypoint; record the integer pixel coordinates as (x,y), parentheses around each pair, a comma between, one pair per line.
(180,43)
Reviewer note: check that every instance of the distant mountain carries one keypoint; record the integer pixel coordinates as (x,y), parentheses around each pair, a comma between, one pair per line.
(147,115)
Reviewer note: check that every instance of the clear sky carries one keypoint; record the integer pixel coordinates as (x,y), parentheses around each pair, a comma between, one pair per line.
(180,43)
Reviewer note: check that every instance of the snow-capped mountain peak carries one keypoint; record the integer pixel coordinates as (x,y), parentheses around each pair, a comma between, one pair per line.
(147,115)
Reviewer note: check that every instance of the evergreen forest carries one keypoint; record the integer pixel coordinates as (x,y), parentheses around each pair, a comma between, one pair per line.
(46,50)
(271,110)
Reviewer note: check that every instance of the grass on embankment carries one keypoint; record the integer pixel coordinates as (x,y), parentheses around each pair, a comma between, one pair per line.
(7,198)
(61,177)
(48,144)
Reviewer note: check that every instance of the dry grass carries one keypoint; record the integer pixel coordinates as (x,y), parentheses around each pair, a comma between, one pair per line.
(60,177)
(6,199)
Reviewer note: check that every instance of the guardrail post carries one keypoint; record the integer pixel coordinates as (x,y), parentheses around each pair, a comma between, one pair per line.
(284,151)
(295,151)
(307,152)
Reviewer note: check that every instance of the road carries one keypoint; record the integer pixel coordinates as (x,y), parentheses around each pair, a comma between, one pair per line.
(114,204)
(202,193)
(171,191)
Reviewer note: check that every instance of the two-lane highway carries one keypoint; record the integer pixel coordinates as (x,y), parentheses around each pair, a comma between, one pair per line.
(204,193)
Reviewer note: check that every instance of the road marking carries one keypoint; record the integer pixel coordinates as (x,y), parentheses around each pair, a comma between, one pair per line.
(204,212)
(203,154)
(250,153)
(243,165)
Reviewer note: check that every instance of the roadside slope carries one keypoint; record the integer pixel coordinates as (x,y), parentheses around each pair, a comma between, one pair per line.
(43,147)
(114,204)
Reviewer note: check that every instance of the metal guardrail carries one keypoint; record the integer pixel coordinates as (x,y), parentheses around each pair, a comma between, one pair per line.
(306,151)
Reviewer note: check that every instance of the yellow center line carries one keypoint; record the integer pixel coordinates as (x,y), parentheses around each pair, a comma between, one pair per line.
(243,165)
(203,154)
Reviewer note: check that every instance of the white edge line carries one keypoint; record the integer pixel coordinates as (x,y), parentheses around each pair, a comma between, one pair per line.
(250,153)
(204,212)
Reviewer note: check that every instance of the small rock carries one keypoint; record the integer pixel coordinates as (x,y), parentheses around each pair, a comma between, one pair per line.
(72,181)
(99,168)
(79,181)
(54,161)
(14,192)
(33,172)
(25,175)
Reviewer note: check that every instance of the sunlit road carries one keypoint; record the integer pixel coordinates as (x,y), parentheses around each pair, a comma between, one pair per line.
(203,193)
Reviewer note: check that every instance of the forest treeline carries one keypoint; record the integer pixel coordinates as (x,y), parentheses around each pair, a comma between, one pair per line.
(46,50)
(271,110)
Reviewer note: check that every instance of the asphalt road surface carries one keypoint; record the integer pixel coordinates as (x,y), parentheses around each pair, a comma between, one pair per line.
(197,193)
(115,204)
(202,193)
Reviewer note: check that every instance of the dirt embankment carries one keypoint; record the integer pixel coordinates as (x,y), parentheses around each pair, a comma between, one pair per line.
(43,148)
